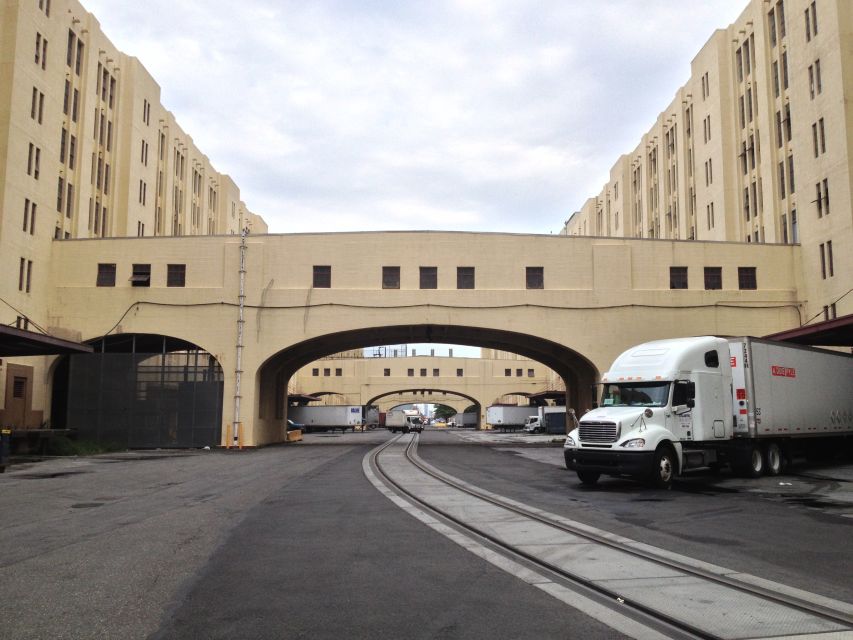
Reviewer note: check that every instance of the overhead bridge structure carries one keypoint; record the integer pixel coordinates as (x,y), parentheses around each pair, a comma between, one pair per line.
(256,309)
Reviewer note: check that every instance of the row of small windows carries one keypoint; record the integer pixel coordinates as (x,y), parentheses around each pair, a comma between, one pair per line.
(465,277)
(327,372)
(746,277)
(176,275)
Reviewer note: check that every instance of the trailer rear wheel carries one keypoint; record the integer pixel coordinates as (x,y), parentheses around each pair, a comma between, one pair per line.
(751,463)
(663,470)
(589,477)
(773,461)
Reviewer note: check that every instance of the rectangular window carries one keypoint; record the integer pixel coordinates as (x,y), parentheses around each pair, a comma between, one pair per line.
(22,268)
(775,73)
(327,372)
(530,373)
(423,373)
(176,274)
(785,70)
(339,372)
(678,277)
(746,278)
(390,277)
(771,25)
(106,275)
(826,196)
(782,193)
(459,373)
(72,41)
(713,278)
(829,258)
(429,277)
(29,274)
(435,373)
(69,200)
(464,277)
(817,79)
(315,373)
(322,276)
(822,135)
(387,373)
(791,187)
(518,373)
(535,277)
(141,276)
(410,373)
(19,386)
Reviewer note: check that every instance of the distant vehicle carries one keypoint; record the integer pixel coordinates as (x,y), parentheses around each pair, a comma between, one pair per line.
(547,420)
(327,417)
(469,419)
(689,403)
(507,417)
(441,424)
(397,420)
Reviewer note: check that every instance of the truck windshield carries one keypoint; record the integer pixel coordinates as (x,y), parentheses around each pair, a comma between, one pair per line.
(635,394)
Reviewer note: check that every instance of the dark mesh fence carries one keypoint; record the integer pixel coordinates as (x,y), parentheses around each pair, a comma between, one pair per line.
(146,400)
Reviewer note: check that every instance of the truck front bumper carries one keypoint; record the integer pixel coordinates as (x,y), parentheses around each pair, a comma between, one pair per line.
(610,461)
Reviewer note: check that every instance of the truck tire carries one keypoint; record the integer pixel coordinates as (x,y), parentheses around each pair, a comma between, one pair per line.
(773,460)
(750,463)
(589,478)
(664,467)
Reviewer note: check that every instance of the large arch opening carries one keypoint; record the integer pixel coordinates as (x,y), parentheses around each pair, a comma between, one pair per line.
(140,391)
(577,372)
(419,396)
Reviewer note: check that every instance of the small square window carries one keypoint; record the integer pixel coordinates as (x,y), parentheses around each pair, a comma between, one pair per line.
(530,373)
(435,373)
(387,373)
(410,373)
(423,373)
(327,372)
(339,373)
(746,278)
(315,372)
(713,278)
(459,373)
(535,277)
(429,277)
(106,275)
(678,277)
(390,277)
(464,277)
(322,276)
(518,373)
(141,276)
(176,275)
(508,372)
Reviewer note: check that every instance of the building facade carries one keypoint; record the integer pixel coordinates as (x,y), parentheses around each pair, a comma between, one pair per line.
(755,148)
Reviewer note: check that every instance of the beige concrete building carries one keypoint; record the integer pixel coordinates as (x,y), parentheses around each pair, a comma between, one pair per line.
(756,148)
(87,150)
(457,382)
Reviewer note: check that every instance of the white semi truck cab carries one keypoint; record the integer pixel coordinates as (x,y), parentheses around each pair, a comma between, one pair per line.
(673,405)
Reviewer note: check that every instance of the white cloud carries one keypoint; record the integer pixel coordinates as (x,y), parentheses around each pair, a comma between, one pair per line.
(458,114)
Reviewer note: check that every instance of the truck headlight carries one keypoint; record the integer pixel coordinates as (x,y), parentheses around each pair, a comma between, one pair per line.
(636,443)
(570,442)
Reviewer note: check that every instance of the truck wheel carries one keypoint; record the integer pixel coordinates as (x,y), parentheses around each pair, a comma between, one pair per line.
(773,461)
(663,470)
(752,463)
(589,478)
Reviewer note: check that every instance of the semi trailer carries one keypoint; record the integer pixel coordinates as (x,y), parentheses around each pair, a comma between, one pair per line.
(546,420)
(671,406)
(501,416)
(327,417)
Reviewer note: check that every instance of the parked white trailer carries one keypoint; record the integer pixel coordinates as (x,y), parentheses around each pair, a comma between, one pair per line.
(670,406)
(327,417)
(403,420)
(467,419)
(507,417)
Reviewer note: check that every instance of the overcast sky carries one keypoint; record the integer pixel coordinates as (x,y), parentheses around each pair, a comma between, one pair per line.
(487,115)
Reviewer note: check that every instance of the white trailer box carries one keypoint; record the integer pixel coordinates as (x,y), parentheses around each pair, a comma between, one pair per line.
(508,417)
(403,420)
(327,417)
(673,405)
(468,419)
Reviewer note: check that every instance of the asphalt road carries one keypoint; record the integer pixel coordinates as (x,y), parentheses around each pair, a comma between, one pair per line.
(293,542)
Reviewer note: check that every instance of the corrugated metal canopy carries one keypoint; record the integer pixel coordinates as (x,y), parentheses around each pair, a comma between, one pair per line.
(830,333)
(18,342)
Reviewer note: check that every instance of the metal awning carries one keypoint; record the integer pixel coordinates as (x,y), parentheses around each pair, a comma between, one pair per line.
(830,333)
(18,342)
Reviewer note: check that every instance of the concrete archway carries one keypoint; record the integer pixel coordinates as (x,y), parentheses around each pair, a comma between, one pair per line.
(577,371)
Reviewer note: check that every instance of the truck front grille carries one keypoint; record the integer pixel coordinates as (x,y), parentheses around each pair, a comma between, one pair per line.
(598,432)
